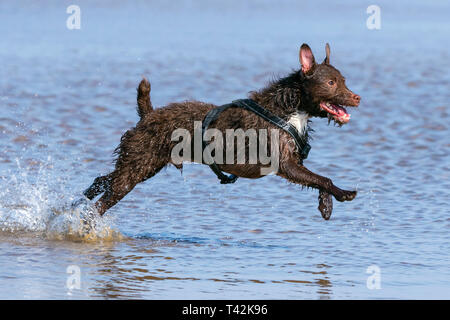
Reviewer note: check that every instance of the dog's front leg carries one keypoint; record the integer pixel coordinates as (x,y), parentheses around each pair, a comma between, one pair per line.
(297,173)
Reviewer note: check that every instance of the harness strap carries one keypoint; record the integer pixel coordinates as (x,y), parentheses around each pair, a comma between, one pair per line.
(301,142)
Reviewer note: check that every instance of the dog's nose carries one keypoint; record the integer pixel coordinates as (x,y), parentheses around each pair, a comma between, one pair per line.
(356,98)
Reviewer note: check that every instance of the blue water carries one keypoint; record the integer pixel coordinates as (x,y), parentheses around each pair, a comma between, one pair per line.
(67,96)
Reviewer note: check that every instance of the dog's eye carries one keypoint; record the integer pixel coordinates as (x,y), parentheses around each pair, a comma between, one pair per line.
(331,82)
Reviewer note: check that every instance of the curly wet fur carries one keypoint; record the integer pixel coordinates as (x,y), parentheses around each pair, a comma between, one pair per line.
(145,149)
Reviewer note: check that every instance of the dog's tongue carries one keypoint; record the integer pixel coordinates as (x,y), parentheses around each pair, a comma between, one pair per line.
(342,114)
(337,112)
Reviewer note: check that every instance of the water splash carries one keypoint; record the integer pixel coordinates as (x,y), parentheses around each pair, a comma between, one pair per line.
(367,190)
(80,221)
(40,203)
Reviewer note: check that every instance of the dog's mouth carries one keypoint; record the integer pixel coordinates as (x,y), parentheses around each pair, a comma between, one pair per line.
(335,112)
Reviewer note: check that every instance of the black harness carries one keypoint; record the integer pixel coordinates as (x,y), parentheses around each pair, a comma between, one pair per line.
(301,141)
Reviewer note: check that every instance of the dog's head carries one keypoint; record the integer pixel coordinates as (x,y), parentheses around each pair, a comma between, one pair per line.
(326,88)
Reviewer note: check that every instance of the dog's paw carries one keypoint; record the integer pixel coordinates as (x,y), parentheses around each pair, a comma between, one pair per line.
(345,195)
(325,204)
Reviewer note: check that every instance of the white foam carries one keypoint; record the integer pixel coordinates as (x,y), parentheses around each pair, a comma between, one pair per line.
(37,202)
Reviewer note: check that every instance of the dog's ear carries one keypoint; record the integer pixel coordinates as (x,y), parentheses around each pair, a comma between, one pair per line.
(327,51)
(307,59)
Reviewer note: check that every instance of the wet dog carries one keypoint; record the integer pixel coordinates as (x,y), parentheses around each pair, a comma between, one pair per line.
(315,90)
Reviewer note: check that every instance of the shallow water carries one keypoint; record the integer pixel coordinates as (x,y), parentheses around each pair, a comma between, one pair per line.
(67,96)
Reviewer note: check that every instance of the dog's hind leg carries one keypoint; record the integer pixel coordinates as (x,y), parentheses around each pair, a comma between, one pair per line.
(121,183)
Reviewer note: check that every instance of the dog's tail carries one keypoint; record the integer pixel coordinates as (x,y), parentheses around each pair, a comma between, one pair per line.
(144,105)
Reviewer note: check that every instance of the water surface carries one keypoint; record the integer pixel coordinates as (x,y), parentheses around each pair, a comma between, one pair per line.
(67,96)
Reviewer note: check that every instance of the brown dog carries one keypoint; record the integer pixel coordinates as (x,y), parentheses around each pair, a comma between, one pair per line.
(315,90)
